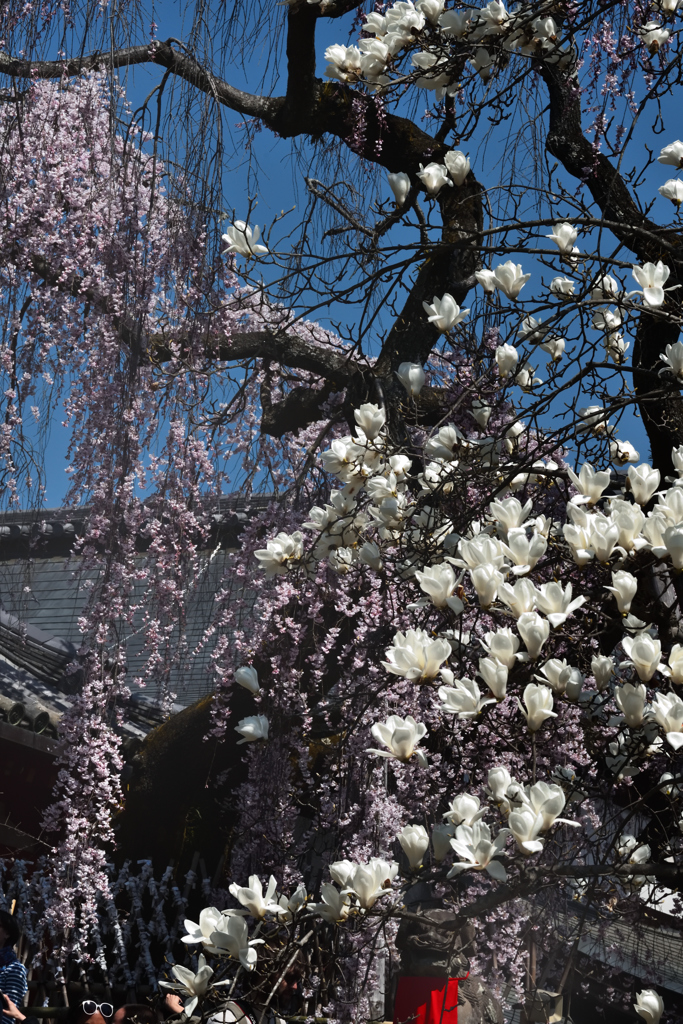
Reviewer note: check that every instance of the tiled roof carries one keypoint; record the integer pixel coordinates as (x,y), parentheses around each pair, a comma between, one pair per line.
(44,590)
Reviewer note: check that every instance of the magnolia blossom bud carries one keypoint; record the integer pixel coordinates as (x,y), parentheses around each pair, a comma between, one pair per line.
(602,669)
(631,702)
(495,675)
(399,184)
(414,843)
(412,377)
(534,631)
(676,663)
(645,653)
(644,482)
(481,412)
(486,579)
(247,676)
(498,780)
(624,587)
(649,1005)
(539,705)
(507,358)
(370,418)
(458,165)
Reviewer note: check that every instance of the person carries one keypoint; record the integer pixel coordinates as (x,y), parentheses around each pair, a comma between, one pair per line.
(137,1013)
(12,1011)
(13,981)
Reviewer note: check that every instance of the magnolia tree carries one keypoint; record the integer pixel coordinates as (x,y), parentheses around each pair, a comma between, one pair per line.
(465,655)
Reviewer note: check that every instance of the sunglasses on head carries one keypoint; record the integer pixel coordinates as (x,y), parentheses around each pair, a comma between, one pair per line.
(89,1006)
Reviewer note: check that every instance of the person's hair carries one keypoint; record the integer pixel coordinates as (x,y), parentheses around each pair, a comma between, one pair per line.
(140,1012)
(11,926)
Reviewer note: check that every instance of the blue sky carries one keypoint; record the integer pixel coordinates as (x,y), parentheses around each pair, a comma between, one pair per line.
(278,189)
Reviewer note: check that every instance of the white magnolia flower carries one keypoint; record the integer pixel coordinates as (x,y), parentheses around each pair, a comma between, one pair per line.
(534,631)
(487,279)
(521,597)
(510,278)
(495,675)
(602,668)
(439,582)
(590,483)
(481,550)
(445,312)
(455,23)
(525,824)
(509,513)
(676,663)
(644,482)
(649,1005)
(290,906)
(280,553)
(231,937)
(486,579)
(367,882)
(481,412)
(432,9)
(370,418)
(241,239)
(482,63)
(564,237)
(503,645)
(458,165)
(194,985)
(499,779)
(416,655)
(506,357)
(548,800)
(539,705)
(624,587)
(209,919)
(414,841)
(464,809)
(673,190)
(652,277)
(434,177)
(412,377)
(622,452)
(253,898)
(247,676)
(562,287)
(344,62)
(463,698)
(605,287)
(673,357)
(667,710)
(630,700)
(554,347)
(645,653)
(604,535)
(653,35)
(594,418)
(473,845)
(400,736)
(399,183)
(252,728)
(557,603)
(672,154)
(557,674)
(370,555)
(524,553)
(493,18)
(334,908)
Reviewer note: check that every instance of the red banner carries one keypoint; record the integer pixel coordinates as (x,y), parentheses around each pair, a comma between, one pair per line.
(426,1001)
